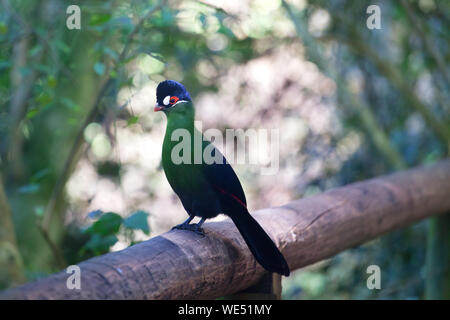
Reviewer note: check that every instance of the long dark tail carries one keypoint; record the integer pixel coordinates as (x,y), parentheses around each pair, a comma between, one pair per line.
(260,244)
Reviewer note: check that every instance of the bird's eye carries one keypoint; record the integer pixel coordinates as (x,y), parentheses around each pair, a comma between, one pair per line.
(173,99)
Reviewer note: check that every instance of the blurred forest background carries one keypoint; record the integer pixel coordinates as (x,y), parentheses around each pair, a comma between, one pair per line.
(80,144)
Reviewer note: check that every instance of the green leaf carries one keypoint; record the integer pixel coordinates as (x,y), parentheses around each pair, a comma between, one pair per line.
(29,188)
(44,98)
(138,221)
(132,120)
(40,175)
(99,244)
(32,113)
(110,52)
(108,224)
(5,64)
(62,46)
(202,19)
(3,27)
(39,211)
(69,103)
(43,68)
(99,68)
(35,50)
(109,169)
(113,74)
(167,16)
(51,81)
(124,22)
(25,71)
(99,19)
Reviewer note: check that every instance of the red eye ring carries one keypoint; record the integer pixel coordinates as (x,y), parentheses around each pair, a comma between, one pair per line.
(173,100)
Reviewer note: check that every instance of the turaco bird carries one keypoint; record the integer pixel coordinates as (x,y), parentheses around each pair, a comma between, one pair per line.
(207,190)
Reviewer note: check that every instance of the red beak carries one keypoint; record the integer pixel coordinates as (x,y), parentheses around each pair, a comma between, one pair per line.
(158,108)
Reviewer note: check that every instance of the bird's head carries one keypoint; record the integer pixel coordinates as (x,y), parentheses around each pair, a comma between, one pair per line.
(169,94)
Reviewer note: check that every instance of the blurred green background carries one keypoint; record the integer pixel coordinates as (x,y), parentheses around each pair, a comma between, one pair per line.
(80,144)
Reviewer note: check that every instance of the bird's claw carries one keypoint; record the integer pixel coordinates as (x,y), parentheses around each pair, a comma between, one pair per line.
(180,226)
(190,227)
(199,231)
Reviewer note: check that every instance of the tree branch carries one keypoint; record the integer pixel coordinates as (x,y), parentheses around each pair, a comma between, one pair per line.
(356,105)
(183,265)
(394,76)
(417,25)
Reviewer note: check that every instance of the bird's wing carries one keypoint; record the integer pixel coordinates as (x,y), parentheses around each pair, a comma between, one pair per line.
(223,179)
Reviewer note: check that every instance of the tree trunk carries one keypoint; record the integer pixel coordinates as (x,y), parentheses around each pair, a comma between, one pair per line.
(438,258)
(11,266)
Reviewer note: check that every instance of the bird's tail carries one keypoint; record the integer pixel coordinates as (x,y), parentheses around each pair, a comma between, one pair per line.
(260,244)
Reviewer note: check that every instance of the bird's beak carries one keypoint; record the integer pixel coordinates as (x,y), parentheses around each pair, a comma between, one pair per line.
(158,108)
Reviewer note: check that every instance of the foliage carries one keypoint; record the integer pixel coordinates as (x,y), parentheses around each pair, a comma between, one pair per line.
(109,226)
(77,127)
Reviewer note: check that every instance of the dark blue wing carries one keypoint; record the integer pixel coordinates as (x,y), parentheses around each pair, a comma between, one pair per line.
(224,180)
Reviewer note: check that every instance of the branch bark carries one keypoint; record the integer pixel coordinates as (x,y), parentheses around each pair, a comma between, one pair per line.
(11,266)
(183,265)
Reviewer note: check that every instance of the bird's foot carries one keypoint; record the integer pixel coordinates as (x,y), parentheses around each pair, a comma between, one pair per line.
(196,229)
(190,227)
(181,226)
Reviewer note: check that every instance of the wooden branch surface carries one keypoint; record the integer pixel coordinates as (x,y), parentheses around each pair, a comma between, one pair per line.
(183,265)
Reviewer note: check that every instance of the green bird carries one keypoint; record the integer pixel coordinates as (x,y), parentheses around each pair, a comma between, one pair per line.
(207,188)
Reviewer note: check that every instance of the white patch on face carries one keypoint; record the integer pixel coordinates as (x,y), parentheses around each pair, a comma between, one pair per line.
(166,100)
